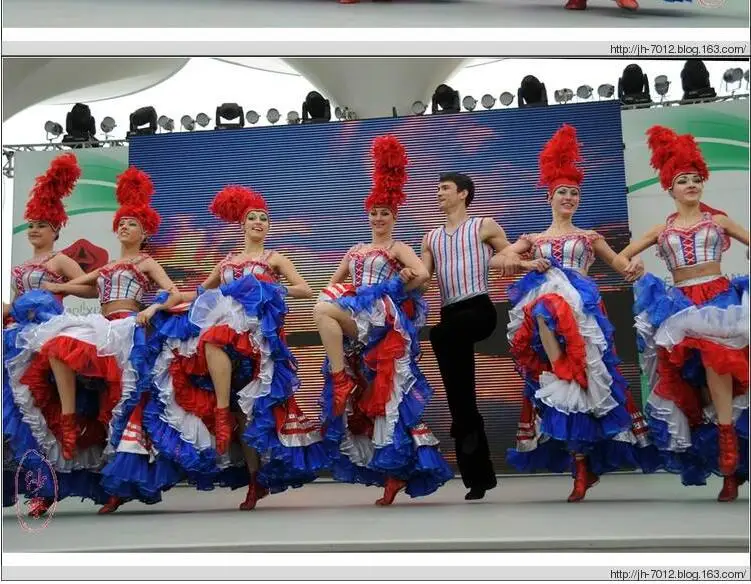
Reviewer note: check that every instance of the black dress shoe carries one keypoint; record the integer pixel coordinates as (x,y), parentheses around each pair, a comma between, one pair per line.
(475,494)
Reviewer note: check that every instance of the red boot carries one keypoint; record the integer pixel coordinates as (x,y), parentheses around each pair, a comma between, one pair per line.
(223,427)
(111,506)
(576,5)
(582,481)
(255,494)
(69,428)
(592,479)
(393,486)
(632,5)
(728,443)
(343,387)
(38,506)
(729,490)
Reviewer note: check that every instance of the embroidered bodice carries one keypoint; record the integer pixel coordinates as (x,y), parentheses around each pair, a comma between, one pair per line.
(30,275)
(571,250)
(701,243)
(369,267)
(259,267)
(122,281)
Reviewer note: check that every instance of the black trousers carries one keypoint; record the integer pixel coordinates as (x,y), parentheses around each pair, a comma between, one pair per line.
(453,339)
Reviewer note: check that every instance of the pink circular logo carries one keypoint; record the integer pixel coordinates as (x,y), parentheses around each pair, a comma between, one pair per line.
(35,481)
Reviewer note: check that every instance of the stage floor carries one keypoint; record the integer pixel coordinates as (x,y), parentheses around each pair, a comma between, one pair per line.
(625,512)
(402,13)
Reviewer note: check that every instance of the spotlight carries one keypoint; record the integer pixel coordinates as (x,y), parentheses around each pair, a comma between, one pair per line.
(227,112)
(532,93)
(506,98)
(605,91)
(633,86)
(695,81)
(338,113)
(79,125)
(166,124)
(143,122)
(733,76)
(469,103)
(53,129)
(487,101)
(293,117)
(418,108)
(252,117)
(273,115)
(188,123)
(107,125)
(316,109)
(563,95)
(445,100)
(662,86)
(203,119)
(745,76)
(584,92)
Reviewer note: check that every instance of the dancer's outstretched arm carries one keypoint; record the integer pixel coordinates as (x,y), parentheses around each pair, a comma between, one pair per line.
(298,287)
(631,269)
(414,273)
(84,286)
(212,281)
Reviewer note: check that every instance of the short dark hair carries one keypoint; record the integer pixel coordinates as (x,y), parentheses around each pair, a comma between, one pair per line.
(462,182)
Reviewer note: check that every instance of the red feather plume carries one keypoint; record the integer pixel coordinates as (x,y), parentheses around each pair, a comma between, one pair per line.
(133,192)
(673,155)
(389,174)
(233,202)
(559,158)
(45,201)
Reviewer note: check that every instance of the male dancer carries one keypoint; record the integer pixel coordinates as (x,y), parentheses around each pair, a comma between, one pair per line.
(459,253)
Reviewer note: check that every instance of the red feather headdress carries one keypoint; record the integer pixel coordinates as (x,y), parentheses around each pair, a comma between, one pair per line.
(389,174)
(134,191)
(558,161)
(46,198)
(233,203)
(673,155)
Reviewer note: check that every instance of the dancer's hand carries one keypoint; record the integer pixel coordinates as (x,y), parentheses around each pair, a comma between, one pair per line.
(536,265)
(53,287)
(634,270)
(407,275)
(144,317)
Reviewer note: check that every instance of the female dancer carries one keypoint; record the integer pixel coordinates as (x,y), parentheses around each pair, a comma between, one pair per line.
(694,335)
(101,363)
(46,215)
(225,364)
(373,399)
(577,409)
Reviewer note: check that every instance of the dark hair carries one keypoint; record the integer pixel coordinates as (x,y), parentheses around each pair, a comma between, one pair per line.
(462,182)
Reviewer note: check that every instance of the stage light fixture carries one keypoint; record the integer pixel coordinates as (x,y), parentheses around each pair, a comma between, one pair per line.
(273,115)
(316,109)
(293,117)
(143,122)
(203,120)
(80,125)
(506,98)
(166,123)
(605,91)
(188,123)
(584,92)
(469,103)
(745,77)
(53,129)
(226,113)
(338,113)
(487,101)
(633,86)
(695,81)
(563,95)
(734,75)
(445,100)
(532,93)
(252,117)
(418,108)
(662,86)
(107,125)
